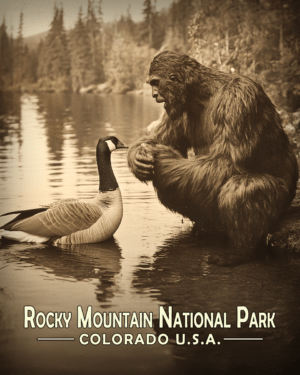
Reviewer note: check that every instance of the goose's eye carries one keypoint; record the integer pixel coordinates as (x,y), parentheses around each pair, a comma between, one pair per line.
(172,77)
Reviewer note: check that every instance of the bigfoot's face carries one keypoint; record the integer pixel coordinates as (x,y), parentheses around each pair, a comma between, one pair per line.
(168,90)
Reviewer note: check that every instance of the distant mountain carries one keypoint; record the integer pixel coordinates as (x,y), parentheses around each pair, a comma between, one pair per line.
(33,41)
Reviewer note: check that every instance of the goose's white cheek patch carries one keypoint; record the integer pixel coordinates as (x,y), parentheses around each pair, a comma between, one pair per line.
(111,145)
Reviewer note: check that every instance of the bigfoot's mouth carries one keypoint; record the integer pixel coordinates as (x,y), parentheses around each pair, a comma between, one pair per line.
(159,98)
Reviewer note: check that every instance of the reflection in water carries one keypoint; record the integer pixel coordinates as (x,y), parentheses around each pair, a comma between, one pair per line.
(184,279)
(47,152)
(99,262)
(102,262)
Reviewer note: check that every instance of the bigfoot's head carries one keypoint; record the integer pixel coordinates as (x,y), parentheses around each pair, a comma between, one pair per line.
(173,76)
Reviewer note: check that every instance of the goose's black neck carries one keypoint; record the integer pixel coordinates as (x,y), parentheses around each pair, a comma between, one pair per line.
(107,178)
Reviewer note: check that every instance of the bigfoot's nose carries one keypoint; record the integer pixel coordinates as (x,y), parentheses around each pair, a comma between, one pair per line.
(154,92)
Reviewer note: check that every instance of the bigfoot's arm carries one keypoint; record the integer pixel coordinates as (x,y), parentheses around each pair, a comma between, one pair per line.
(140,153)
(189,186)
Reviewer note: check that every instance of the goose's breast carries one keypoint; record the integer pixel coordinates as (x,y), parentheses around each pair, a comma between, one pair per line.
(112,207)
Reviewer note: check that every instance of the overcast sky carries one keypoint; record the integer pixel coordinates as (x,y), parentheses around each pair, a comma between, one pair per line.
(38,14)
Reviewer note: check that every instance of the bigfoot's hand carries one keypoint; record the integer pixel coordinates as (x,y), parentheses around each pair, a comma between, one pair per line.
(143,163)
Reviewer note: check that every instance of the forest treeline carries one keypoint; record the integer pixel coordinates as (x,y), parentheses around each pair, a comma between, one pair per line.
(257,38)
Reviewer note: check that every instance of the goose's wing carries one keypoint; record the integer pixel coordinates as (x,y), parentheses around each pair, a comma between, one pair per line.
(60,220)
(24,214)
(60,201)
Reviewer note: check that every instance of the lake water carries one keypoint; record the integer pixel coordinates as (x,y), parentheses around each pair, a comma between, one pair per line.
(47,152)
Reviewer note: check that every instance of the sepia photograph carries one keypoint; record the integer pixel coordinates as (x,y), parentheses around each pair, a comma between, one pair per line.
(149,195)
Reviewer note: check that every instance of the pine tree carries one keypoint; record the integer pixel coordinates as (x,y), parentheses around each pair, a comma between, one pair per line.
(30,66)
(6,57)
(19,55)
(93,27)
(125,26)
(42,60)
(54,70)
(180,14)
(82,71)
(102,36)
(149,11)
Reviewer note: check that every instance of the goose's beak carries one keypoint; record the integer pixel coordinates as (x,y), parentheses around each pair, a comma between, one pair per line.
(121,145)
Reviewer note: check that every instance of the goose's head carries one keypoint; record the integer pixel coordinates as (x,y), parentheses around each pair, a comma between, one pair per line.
(105,147)
(109,144)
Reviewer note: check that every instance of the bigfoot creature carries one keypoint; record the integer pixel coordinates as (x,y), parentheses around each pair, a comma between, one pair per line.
(244,173)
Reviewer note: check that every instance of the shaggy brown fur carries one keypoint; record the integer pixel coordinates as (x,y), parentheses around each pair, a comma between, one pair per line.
(244,175)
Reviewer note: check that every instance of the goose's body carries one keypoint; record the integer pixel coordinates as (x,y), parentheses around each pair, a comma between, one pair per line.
(74,221)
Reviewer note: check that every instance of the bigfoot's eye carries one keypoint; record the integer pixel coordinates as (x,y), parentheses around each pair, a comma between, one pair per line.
(154,82)
(172,77)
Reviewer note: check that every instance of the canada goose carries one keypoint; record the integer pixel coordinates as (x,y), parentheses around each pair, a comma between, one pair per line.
(74,221)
